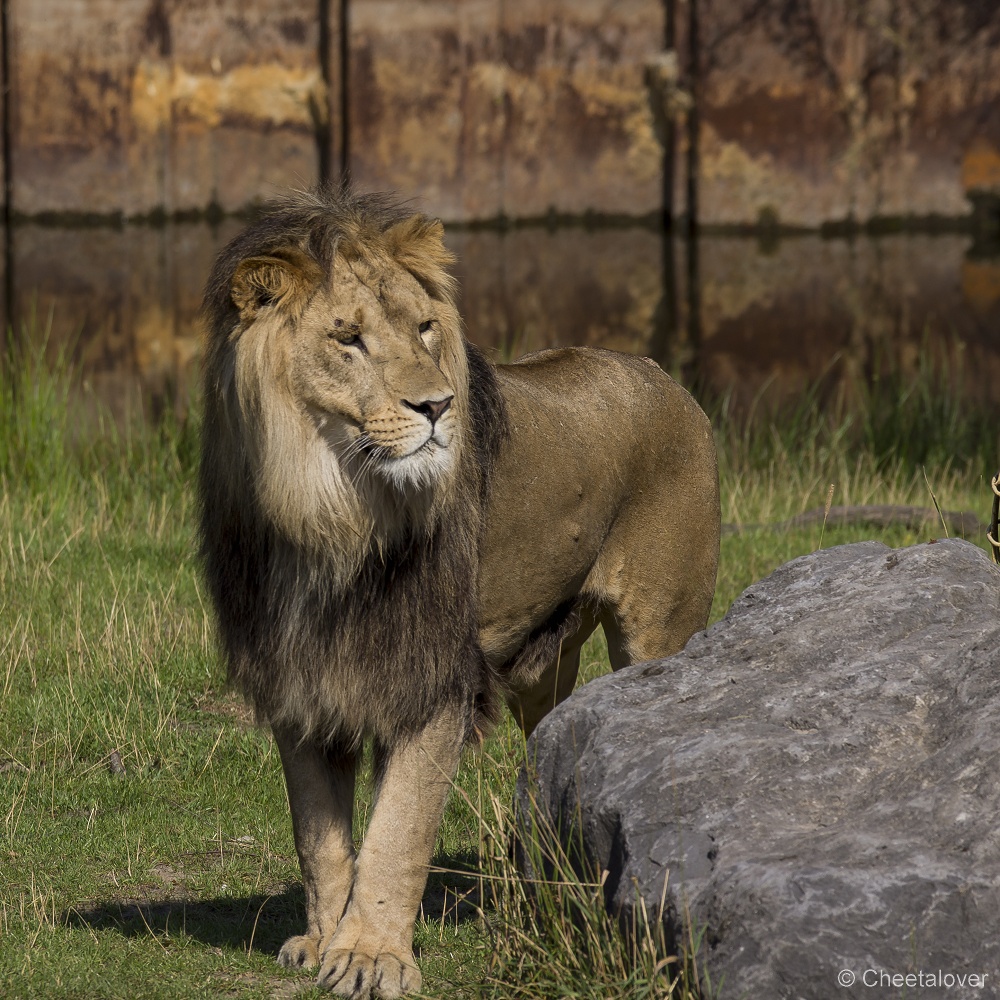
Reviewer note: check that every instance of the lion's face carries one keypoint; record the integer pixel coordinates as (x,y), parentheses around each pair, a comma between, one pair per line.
(348,386)
(366,365)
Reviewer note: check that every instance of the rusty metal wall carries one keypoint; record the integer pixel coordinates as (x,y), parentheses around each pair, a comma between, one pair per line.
(808,111)
(506,107)
(819,111)
(479,107)
(133,107)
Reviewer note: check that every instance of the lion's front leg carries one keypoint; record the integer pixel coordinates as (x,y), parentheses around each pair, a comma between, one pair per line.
(372,948)
(320,786)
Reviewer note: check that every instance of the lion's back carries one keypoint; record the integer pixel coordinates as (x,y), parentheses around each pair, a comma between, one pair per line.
(605,407)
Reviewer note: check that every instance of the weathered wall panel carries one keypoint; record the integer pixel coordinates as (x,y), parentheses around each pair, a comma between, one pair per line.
(811,110)
(517,108)
(580,137)
(815,111)
(131,106)
(426,109)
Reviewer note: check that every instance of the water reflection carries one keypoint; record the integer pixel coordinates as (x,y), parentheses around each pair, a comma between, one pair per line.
(774,317)
(126,302)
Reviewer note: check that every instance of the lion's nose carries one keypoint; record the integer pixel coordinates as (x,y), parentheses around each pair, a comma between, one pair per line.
(432,409)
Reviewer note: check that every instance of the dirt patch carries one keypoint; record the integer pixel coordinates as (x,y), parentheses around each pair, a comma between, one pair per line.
(227,704)
(280,989)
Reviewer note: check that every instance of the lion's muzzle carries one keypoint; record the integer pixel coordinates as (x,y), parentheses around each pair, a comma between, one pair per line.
(432,409)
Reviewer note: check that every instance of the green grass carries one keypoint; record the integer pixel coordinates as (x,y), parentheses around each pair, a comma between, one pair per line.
(178,878)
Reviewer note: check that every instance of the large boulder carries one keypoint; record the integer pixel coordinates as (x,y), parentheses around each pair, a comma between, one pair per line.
(817,777)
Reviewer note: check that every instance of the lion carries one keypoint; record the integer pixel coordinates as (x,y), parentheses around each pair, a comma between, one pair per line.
(398,536)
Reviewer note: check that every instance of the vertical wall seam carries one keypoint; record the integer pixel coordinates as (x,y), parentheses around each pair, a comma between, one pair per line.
(693,243)
(324,131)
(344,97)
(694,85)
(506,109)
(669,125)
(6,105)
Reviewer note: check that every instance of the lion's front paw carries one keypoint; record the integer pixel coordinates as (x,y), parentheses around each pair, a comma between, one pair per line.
(299,952)
(395,976)
(354,974)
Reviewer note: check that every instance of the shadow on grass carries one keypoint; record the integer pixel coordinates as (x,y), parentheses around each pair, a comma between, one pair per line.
(454,891)
(258,922)
(262,923)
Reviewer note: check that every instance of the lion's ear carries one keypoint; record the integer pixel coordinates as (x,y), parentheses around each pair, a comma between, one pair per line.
(417,243)
(285,278)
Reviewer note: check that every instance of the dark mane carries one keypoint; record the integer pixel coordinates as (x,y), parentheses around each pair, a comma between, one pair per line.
(380,657)
(489,423)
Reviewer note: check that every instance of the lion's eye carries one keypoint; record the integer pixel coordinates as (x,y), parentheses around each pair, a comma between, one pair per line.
(426,326)
(346,340)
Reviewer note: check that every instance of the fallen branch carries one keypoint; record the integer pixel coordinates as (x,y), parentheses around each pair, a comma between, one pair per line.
(961,524)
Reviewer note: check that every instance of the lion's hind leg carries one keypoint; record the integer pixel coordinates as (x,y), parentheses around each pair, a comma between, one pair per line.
(654,615)
(372,949)
(320,785)
(656,580)
(530,702)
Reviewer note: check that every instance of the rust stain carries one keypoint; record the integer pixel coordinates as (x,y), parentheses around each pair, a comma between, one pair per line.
(741,183)
(420,125)
(981,166)
(625,111)
(268,95)
(981,283)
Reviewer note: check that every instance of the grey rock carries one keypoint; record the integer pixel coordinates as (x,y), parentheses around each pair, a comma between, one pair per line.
(817,777)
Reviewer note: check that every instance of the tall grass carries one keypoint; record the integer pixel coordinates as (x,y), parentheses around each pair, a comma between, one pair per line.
(545,906)
(894,421)
(56,437)
(892,440)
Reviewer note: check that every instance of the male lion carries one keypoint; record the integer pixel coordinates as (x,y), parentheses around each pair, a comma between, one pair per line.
(397,535)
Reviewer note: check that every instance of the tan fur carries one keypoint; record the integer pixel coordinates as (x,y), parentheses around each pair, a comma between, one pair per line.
(623,522)
(394,531)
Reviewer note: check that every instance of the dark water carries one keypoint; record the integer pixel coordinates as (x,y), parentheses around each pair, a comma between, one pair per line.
(758,318)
